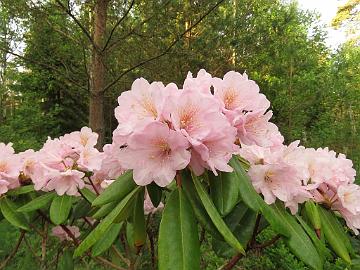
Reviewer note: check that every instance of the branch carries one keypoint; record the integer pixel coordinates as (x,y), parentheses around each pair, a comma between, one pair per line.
(106,262)
(268,243)
(233,261)
(132,30)
(43,65)
(166,50)
(12,254)
(117,24)
(83,29)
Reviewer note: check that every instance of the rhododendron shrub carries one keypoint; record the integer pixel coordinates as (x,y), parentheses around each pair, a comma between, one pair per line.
(202,156)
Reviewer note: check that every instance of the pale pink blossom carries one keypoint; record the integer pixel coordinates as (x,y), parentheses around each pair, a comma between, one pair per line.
(142,104)
(90,159)
(80,139)
(275,181)
(10,166)
(349,195)
(215,151)
(196,115)
(60,233)
(66,182)
(202,82)
(238,94)
(155,153)
(112,164)
(255,128)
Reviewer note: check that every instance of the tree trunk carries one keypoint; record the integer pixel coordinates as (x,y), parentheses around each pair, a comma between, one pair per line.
(98,72)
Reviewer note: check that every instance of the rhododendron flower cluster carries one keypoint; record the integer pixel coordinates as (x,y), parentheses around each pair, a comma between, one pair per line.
(163,129)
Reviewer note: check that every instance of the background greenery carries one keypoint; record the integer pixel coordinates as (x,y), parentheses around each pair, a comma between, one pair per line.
(45,72)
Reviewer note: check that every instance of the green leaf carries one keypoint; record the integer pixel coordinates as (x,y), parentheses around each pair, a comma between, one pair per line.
(216,218)
(298,241)
(88,194)
(66,261)
(246,189)
(104,210)
(335,235)
(312,214)
(319,245)
(60,209)
(37,203)
(104,225)
(20,190)
(15,218)
(199,210)
(107,240)
(155,193)
(117,190)
(139,221)
(81,209)
(241,221)
(224,191)
(179,247)
(234,218)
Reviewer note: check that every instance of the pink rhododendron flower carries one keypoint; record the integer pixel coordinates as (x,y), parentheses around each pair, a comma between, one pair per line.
(80,139)
(275,181)
(349,196)
(215,151)
(90,159)
(66,182)
(238,94)
(196,115)
(202,82)
(145,102)
(155,153)
(255,128)
(60,233)
(10,166)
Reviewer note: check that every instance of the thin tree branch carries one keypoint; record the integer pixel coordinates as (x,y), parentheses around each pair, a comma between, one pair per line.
(133,29)
(117,24)
(267,243)
(12,254)
(166,50)
(106,262)
(83,29)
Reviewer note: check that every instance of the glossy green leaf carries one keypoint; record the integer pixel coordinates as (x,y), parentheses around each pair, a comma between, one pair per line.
(155,193)
(335,235)
(15,218)
(319,245)
(20,190)
(66,261)
(139,221)
(60,209)
(234,218)
(247,191)
(117,190)
(104,225)
(242,228)
(88,194)
(107,240)
(37,203)
(104,210)
(215,216)
(298,241)
(199,210)
(224,191)
(178,247)
(81,209)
